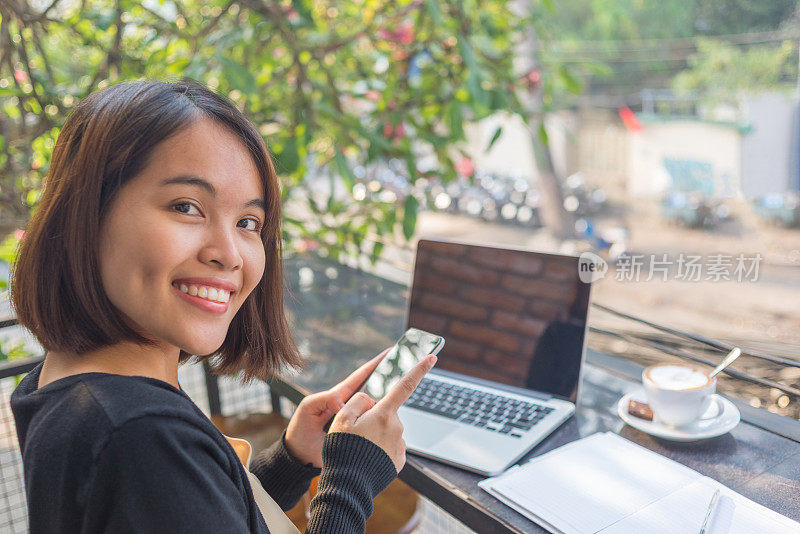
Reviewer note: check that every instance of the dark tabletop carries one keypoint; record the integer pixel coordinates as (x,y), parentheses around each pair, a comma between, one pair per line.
(342,317)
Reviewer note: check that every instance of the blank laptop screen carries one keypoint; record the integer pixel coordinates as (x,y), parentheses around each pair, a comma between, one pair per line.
(513,316)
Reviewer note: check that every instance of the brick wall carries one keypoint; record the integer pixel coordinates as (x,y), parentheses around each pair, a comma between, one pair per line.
(491,305)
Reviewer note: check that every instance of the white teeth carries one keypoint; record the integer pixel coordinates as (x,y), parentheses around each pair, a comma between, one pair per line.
(208,293)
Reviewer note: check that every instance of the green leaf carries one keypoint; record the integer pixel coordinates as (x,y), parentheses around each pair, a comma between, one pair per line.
(543,134)
(239,77)
(495,137)
(8,250)
(456,119)
(601,69)
(573,84)
(433,10)
(289,159)
(410,207)
(332,184)
(303,8)
(385,224)
(157,58)
(358,235)
(102,18)
(377,248)
(373,151)
(467,53)
(344,170)
(475,90)
(314,205)
(411,166)
(474,75)
(32,198)
(196,68)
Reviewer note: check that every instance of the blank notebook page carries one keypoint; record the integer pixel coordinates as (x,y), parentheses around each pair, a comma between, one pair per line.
(593,483)
(684,511)
(606,484)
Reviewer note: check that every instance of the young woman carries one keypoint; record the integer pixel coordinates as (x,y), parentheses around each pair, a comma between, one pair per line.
(157,237)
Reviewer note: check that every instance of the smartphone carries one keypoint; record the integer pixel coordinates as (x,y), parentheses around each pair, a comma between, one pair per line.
(412,347)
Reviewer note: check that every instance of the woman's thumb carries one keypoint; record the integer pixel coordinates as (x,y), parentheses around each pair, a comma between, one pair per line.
(355,407)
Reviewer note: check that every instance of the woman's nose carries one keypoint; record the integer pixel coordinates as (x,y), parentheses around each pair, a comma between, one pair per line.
(221,249)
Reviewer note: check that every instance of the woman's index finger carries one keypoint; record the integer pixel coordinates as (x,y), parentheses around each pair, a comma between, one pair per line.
(402,390)
(347,387)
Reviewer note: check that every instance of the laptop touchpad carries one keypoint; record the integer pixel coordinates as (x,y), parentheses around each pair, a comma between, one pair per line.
(421,430)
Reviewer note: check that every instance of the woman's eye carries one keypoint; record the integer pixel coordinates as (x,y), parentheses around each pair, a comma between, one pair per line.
(254,225)
(185,208)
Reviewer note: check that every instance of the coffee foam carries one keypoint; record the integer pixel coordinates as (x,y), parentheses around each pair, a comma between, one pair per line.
(677,377)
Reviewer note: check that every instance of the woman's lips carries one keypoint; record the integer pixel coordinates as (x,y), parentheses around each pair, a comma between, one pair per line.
(204,304)
(218,283)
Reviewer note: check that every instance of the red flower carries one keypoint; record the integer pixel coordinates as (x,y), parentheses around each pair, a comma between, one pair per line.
(403,34)
(394,132)
(21,76)
(465,167)
(533,79)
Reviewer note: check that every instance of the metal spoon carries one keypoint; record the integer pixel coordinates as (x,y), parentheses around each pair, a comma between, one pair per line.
(732,355)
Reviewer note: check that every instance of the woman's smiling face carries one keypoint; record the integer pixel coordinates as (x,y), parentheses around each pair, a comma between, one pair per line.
(180,247)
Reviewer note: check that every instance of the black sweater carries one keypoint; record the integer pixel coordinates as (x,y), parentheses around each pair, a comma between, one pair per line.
(112,453)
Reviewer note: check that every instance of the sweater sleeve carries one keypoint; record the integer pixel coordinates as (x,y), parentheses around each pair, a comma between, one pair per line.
(354,472)
(163,474)
(281,475)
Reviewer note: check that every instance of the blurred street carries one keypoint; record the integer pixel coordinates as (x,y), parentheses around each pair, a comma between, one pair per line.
(765,312)
(762,315)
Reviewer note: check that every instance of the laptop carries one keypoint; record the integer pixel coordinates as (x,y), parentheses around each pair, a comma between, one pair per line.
(509,374)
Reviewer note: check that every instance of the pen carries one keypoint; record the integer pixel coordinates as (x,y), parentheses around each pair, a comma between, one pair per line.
(709,511)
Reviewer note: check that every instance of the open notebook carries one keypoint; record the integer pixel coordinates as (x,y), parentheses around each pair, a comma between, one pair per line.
(604,483)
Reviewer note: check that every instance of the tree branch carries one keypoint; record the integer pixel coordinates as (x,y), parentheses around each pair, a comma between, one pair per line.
(113,56)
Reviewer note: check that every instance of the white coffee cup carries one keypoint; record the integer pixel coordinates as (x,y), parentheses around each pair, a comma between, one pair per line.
(680,394)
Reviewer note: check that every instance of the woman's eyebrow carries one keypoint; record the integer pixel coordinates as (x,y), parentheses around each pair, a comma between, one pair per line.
(190,179)
(256,203)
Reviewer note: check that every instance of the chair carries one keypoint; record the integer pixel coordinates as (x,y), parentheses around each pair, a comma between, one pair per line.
(396,509)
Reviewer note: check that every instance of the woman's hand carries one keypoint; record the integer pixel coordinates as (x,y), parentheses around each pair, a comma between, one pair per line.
(378,422)
(305,433)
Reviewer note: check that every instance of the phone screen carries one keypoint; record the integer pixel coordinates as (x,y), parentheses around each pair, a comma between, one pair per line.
(409,350)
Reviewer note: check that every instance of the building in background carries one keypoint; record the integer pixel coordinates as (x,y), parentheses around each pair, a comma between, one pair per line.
(726,159)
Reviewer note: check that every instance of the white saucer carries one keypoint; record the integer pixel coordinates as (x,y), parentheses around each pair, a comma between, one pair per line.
(702,429)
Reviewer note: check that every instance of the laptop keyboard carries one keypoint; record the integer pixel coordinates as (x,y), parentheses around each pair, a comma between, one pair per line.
(477,408)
